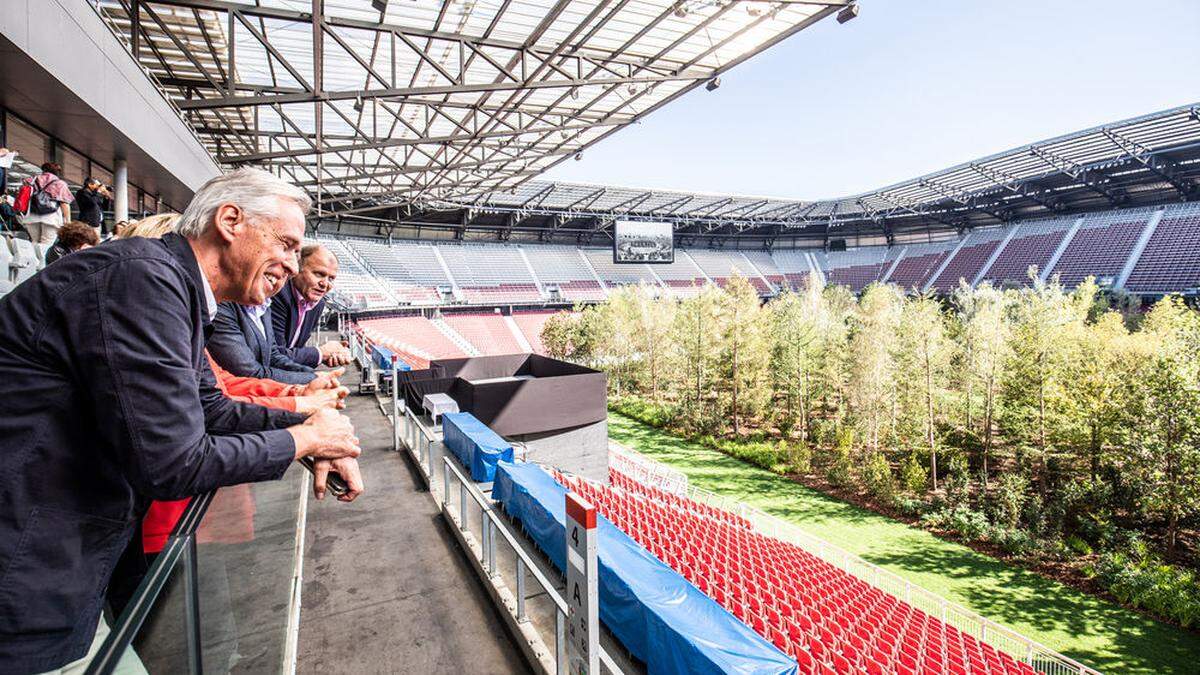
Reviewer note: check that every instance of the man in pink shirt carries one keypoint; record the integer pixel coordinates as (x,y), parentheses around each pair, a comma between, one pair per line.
(297,308)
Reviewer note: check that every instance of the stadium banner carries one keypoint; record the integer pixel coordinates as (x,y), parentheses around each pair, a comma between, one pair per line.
(658,615)
(638,243)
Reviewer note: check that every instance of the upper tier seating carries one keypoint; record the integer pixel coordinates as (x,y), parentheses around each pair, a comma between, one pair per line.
(618,275)
(414,338)
(1032,245)
(488,333)
(1101,246)
(855,268)
(411,271)
(1171,259)
(355,281)
(766,266)
(564,267)
(975,252)
(490,273)
(720,266)
(918,263)
(795,267)
(683,277)
(825,618)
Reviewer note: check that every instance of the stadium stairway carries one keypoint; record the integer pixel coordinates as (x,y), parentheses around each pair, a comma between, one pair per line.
(386,588)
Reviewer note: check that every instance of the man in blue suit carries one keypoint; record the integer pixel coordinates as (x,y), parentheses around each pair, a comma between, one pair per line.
(110,403)
(297,308)
(243,342)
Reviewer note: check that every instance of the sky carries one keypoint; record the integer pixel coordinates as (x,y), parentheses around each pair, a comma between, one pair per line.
(907,88)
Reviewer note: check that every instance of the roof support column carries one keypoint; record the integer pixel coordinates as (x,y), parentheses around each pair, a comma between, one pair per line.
(120,191)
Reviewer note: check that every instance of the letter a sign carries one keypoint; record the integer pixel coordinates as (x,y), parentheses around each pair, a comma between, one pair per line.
(583,605)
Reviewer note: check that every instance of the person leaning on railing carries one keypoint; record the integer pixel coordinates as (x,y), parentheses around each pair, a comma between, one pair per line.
(110,403)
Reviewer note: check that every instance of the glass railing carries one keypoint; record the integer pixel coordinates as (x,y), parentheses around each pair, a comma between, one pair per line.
(223,594)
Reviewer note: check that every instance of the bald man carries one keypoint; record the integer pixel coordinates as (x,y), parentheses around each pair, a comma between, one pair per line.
(297,308)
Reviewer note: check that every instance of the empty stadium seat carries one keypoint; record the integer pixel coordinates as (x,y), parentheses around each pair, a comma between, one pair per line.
(1032,245)
(1101,246)
(827,619)
(1171,259)
(25,259)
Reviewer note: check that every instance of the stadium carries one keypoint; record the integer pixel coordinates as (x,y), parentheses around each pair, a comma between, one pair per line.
(946,425)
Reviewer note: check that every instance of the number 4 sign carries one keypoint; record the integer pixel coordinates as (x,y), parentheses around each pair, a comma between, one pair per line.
(583,605)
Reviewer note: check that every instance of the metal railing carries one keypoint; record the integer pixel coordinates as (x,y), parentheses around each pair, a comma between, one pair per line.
(971,623)
(494,527)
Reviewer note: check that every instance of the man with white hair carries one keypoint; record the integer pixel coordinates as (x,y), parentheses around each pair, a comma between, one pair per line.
(110,403)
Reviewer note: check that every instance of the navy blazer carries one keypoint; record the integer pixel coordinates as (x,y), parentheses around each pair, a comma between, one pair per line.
(285,315)
(237,346)
(108,404)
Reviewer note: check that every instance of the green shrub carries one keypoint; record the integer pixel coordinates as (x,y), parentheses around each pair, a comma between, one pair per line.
(913,476)
(1140,579)
(1013,541)
(1078,545)
(969,523)
(877,476)
(1009,498)
(798,454)
(840,468)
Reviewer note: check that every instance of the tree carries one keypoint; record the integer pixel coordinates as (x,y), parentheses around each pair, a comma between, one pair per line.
(695,337)
(795,341)
(562,335)
(872,376)
(744,349)
(923,359)
(983,313)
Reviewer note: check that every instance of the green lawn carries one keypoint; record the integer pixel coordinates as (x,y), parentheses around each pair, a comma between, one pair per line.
(1098,633)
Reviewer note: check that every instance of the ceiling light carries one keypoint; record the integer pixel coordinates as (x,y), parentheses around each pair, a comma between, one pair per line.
(358,104)
(379,5)
(575,93)
(713,84)
(578,156)
(848,12)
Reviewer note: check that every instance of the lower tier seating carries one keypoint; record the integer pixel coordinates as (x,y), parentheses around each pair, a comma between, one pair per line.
(825,618)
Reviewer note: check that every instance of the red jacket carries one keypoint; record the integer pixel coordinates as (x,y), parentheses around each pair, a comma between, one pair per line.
(161,518)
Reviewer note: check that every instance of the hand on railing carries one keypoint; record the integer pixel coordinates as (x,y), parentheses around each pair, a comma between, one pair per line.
(327,434)
(347,468)
(325,380)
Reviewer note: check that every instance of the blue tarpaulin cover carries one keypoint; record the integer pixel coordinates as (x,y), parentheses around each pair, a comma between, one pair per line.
(383,359)
(658,615)
(475,445)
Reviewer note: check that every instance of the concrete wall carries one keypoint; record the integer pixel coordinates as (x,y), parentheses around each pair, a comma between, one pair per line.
(69,40)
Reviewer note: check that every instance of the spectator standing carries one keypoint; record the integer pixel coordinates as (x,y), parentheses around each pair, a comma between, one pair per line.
(110,403)
(74,236)
(297,308)
(91,200)
(43,227)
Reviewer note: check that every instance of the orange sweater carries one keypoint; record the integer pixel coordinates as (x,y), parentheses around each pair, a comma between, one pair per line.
(161,518)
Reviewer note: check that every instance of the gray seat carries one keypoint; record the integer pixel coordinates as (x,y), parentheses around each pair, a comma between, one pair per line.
(25,260)
(42,250)
(6,271)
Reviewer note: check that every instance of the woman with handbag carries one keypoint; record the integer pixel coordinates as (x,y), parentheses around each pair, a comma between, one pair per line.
(47,204)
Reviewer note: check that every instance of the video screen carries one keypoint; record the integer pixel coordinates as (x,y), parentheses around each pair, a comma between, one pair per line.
(638,242)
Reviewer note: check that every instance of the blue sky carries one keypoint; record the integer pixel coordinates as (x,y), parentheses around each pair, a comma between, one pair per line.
(909,87)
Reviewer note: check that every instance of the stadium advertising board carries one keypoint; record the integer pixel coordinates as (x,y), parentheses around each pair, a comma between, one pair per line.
(639,242)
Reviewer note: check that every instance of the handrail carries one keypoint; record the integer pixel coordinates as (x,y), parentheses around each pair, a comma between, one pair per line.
(181,543)
(1027,649)
(495,523)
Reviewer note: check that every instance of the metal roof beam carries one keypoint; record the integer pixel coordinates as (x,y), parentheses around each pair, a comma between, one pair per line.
(1161,167)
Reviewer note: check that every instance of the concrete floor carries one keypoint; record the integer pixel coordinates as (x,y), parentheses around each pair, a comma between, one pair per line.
(386,588)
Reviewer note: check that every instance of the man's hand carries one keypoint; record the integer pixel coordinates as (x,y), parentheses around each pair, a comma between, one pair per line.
(334,399)
(334,353)
(327,434)
(325,380)
(347,468)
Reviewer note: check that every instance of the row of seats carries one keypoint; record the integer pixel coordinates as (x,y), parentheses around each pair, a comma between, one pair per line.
(825,618)
(418,340)
(19,260)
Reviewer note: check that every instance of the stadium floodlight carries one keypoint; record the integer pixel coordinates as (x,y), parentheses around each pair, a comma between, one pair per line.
(578,156)
(379,5)
(713,84)
(358,104)
(848,12)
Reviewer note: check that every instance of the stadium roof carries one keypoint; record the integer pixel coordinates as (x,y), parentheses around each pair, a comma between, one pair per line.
(431,99)
(1145,160)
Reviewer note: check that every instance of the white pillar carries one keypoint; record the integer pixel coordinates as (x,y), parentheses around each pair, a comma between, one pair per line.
(120,191)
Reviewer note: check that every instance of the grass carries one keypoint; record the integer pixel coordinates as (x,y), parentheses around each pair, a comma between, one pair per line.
(1091,630)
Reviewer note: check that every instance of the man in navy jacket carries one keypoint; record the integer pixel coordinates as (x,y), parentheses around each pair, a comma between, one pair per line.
(109,403)
(243,342)
(297,308)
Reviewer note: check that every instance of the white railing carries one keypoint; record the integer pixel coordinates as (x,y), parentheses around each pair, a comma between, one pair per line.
(1030,651)
(645,471)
